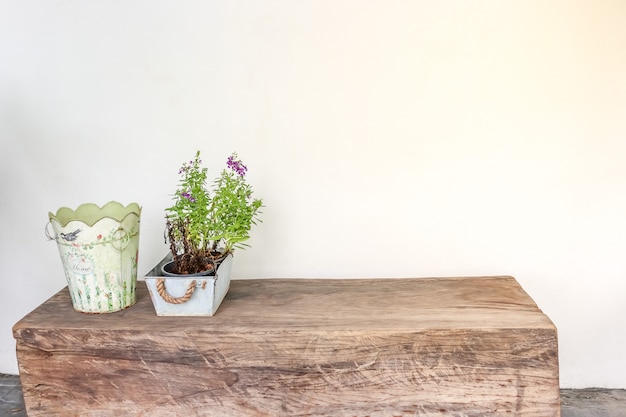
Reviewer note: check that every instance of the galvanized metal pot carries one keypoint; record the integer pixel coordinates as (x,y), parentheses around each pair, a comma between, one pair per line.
(188,295)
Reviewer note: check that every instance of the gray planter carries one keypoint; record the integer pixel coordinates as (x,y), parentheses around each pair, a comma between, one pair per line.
(188,296)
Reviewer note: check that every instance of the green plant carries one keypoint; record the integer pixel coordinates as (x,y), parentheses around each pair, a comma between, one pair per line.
(232,210)
(205,225)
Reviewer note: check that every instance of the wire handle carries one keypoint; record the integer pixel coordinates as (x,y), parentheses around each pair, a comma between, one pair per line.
(123,239)
(47,232)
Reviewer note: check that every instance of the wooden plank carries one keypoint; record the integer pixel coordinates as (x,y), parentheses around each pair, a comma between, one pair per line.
(457,346)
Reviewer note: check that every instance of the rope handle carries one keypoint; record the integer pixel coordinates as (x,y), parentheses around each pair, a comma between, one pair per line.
(160,285)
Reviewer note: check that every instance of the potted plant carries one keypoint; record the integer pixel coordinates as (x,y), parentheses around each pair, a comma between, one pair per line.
(203,227)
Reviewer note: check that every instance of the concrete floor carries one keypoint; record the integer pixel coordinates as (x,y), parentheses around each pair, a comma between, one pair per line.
(591,402)
(11,399)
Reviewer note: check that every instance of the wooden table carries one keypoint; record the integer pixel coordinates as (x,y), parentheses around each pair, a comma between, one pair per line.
(300,347)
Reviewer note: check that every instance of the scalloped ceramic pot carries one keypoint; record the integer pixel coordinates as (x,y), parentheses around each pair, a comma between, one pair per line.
(98,248)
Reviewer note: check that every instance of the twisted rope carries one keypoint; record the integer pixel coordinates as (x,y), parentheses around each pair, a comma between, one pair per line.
(160,285)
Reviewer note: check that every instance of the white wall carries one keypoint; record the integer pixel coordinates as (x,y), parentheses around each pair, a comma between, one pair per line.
(388,139)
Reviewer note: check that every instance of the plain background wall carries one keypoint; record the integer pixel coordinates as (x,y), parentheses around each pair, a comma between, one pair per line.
(396,138)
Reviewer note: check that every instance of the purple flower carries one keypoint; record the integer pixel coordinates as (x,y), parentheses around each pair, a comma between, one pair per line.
(184,169)
(236,165)
(189,197)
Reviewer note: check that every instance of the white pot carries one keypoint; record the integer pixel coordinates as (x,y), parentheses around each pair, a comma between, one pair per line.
(188,296)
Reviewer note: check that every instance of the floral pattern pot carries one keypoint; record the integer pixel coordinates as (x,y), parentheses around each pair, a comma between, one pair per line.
(99,249)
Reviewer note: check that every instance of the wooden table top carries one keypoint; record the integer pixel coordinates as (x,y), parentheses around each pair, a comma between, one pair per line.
(407,304)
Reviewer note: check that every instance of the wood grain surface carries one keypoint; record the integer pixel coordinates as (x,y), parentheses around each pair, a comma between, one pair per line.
(300,347)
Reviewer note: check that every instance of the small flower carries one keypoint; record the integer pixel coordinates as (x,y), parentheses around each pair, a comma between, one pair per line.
(99,237)
(236,165)
(189,197)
